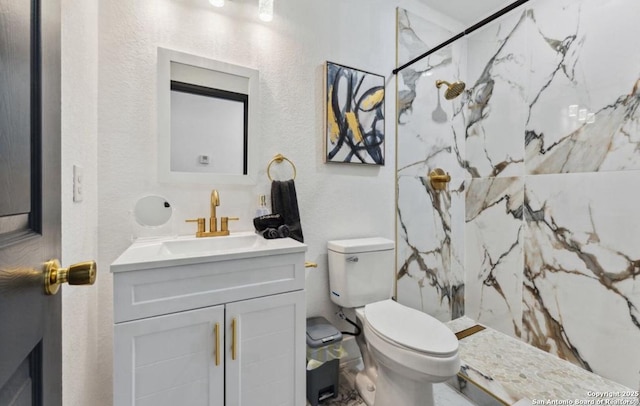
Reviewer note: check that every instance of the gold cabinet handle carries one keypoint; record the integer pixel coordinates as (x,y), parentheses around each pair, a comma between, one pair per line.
(82,273)
(308,264)
(234,339)
(217,333)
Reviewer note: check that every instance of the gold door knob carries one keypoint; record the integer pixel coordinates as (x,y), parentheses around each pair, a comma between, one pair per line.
(82,273)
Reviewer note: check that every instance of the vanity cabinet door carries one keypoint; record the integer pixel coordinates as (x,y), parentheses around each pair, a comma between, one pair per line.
(269,337)
(170,360)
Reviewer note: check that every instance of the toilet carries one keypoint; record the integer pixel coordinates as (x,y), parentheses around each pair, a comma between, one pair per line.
(404,351)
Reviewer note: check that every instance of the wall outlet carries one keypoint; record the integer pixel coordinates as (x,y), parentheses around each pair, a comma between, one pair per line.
(78,183)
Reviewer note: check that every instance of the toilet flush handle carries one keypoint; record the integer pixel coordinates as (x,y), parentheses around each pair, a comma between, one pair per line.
(352,259)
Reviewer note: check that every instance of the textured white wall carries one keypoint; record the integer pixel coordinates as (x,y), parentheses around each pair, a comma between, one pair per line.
(335,201)
(79,220)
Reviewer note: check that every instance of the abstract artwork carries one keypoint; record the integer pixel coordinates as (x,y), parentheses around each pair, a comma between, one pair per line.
(355,116)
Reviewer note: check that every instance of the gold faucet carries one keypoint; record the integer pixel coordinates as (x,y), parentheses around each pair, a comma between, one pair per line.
(213,220)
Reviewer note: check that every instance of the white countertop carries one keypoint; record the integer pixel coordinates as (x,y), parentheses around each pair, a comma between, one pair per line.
(158,252)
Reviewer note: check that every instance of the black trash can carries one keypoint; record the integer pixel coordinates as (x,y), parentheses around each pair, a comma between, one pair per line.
(322,382)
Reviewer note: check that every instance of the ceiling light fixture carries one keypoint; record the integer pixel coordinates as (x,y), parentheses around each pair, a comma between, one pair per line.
(265,10)
(217,3)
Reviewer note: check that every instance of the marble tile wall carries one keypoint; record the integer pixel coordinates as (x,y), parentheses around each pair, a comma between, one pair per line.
(539,231)
(430,243)
(494,258)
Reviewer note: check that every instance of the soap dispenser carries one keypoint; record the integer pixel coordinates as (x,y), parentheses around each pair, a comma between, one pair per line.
(262,209)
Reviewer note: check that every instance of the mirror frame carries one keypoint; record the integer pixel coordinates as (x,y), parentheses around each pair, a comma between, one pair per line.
(165,57)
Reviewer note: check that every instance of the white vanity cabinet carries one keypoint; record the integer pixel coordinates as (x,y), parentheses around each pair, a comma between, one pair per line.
(210,332)
(169,360)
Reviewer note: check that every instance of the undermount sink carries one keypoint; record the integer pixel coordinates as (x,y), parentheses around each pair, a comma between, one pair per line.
(238,241)
(184,250)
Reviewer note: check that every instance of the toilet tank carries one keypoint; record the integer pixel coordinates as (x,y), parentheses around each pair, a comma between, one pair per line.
(361,271)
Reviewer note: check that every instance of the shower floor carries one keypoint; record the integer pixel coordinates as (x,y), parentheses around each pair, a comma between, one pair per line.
(510,370)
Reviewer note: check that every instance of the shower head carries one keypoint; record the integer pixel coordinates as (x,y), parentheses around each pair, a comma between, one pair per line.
(453,89)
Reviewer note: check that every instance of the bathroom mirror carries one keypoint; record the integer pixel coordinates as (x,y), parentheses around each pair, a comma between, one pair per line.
(207,120)
(152,211)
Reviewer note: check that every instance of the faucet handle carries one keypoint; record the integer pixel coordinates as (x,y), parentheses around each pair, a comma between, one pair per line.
(200,221)
(224,222)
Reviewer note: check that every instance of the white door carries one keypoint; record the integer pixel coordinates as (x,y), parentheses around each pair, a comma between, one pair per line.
(170,360)
(265,351)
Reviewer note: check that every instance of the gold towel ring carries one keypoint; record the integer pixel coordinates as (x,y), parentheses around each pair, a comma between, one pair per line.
(279,158)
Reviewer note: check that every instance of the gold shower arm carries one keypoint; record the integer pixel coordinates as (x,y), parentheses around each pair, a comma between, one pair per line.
(442,82)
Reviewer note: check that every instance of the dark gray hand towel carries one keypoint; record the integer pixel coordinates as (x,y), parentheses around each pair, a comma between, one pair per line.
(285,202)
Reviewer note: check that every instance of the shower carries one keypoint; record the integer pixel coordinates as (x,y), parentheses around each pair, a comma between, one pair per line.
(453,89)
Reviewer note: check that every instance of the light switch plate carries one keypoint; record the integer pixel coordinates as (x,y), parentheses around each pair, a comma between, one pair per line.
(78,183)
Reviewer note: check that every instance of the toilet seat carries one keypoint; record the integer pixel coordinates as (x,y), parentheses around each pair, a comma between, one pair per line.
(411,329)
(409,363)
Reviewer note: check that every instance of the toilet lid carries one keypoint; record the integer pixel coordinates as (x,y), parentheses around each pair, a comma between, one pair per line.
(410,328)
